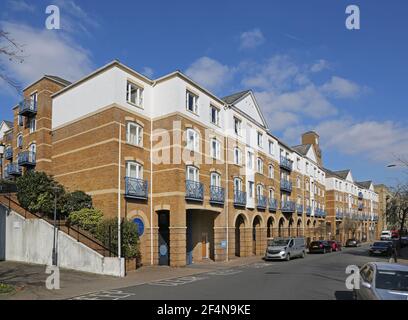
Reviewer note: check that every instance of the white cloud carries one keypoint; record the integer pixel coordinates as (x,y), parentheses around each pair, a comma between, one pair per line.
(341,88)
(319,66)
(251,39)
(380,141)
(148,72)
(46,52)
(20,5)
(209,73)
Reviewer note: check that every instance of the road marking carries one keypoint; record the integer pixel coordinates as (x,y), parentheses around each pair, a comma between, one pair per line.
(256,265)
(227,272)
(104,295)
(177,281)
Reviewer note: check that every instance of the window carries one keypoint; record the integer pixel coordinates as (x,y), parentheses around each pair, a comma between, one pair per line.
(271,147)
(215,179)
(192,174)
(20,120)
(307,185)
(192,102)
(19,141)
(237,156)
(307,167)
(193,140)
(215,115)
(134,94)
(134,134)
(134,170)
(34,100)
(298,163)
(237,126)
(33,148)
(259,165)
(298,182)
(299,200)
(250,160)
(32,125)
(260,140)
(251,187)
(237,184)
(259,190)
(271,194)
(215,149)
(271,172)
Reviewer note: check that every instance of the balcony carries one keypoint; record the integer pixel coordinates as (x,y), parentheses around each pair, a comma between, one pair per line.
(288,206)
(27,108)
(360,196)
(261,202)
(308,211)
(240,198)
(360,206)
(339,215)
(26,159)
(273,205)
(286,185)
(217,195)
(13,169)
(194,190)
(286,163)
(8,153)
(299,209)
(136,188)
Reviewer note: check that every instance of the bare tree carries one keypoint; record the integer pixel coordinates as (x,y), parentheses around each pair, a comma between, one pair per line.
(397,207)
(350,225)
(12,52)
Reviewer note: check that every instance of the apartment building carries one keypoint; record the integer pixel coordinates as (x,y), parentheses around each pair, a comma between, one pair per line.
(201,176)
(384,194)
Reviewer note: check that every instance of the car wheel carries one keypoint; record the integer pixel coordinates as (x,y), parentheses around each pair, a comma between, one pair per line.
(288,257)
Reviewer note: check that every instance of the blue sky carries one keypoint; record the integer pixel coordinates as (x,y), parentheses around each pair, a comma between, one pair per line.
(307,70)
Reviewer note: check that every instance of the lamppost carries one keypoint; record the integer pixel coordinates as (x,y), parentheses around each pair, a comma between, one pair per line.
(1,159)
(54,245)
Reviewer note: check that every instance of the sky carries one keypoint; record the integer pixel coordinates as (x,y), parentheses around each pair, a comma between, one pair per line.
(307,70)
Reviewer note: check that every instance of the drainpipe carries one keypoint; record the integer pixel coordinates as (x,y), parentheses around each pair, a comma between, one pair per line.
(226,195)
(151,185)
(119,199)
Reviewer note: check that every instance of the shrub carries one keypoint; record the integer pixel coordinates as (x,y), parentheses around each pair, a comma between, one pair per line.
(35,192)
(107,233)
(76,201)
(87,219)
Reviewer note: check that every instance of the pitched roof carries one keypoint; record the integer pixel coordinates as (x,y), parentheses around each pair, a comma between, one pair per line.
(58,79)
(235,97)
(364,184)
(303,149)
(9,123)
(342,174)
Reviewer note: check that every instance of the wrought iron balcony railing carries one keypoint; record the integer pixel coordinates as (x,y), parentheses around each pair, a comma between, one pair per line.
(261,202)
(217,195)
(286,185)
(26,159)
(240,198)
(286,163)
(273,205)
(308,211)
(27,107)
(13,169)
(339,215)
(288,206)
(194,190)
(8,153)
(360,206)
(136,188)
(299,209)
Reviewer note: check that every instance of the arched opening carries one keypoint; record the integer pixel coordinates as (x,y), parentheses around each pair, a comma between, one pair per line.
(255,233)
(269,228)
(239,226)
(290,226)
(280,227)
(298,228)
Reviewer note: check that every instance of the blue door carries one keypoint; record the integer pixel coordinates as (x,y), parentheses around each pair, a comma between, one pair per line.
(164,239)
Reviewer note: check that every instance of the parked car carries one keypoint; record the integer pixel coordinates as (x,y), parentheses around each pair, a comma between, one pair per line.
(285,248)
(404,241)
(383,281)
(386,235)
(381,248)
(352,243)
(320,246)
(336,246)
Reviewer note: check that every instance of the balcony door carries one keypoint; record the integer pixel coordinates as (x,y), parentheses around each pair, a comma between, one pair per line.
(134,170)
(215,180)
(192,174)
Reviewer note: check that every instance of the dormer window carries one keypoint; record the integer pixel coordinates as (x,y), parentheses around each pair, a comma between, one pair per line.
(134,94)
(192,102)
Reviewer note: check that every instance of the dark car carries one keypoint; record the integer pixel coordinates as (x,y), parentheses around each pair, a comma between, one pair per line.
(320,246)
(336,246)
(352,243)
(381,248)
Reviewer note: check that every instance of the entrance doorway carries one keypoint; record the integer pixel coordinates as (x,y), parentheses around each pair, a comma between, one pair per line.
(239,224)
(2,233)
(255,229)
(164,238)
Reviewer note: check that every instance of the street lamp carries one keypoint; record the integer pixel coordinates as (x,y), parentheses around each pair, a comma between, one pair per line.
(54,245)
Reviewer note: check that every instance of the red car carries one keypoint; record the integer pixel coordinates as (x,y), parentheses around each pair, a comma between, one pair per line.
(336,246)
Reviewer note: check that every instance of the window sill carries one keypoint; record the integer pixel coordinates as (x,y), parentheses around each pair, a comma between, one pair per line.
(135,145)
(135,105)
(192,112)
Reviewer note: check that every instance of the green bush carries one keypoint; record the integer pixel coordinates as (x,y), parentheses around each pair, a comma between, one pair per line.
(107,233)
(75,201)
(87,219)
(35,192)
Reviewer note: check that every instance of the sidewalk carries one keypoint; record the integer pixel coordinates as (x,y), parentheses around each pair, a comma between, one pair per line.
(30,279)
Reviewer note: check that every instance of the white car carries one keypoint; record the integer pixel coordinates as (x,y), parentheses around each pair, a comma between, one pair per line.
(386,235)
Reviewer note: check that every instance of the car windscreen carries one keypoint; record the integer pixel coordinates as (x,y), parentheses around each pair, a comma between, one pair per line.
(380,244)
(278,242)
(392,280)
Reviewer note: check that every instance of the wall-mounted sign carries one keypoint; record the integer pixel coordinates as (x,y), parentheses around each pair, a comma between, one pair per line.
(223,244)
(140,226)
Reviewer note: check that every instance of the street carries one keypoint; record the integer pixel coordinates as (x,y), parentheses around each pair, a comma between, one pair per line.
(317,276)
